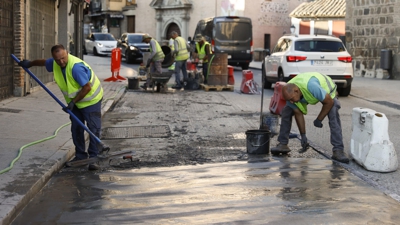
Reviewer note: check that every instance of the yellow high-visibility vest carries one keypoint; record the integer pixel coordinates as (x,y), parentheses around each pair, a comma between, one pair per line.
(70,88)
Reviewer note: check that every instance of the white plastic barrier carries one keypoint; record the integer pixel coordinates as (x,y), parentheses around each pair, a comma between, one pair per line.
(370,144)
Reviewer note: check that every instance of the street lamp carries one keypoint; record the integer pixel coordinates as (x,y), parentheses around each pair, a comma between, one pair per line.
(292,29)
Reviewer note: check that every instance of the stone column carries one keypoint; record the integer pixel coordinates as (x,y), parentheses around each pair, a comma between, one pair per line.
(159,25)
(185,20)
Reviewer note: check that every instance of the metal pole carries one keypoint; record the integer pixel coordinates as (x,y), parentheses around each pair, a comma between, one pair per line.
(262,92)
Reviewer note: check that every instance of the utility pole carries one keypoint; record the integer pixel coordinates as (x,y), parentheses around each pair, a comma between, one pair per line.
(77,8)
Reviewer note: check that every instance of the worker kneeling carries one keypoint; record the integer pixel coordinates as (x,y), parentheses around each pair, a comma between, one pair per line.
(304,89)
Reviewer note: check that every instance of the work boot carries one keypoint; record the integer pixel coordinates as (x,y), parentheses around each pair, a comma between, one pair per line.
(339,155)
(280,149)
(73,160)
(94,167)
(177,87)
(144,86)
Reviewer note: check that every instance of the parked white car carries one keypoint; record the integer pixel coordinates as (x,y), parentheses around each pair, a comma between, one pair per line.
(100,44)
(294,54)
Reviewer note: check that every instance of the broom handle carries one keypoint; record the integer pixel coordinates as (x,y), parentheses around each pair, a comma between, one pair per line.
(105,148)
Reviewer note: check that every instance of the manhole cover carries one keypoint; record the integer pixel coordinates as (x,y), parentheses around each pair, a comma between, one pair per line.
(160,131)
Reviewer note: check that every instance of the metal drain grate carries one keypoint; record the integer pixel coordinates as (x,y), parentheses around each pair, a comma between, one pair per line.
(10,110)
(161,131)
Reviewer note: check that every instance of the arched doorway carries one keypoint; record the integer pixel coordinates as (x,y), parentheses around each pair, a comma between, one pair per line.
(172,27)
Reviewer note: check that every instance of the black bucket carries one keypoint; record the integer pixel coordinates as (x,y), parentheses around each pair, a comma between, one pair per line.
(133,83)
(257,141)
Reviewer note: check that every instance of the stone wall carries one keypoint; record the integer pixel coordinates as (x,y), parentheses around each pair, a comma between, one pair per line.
(373,26)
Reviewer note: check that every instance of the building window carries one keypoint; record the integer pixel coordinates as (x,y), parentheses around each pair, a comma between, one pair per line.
(114,22)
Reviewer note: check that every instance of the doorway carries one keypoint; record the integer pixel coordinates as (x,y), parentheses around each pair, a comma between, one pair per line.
(267,41)
(172,27)
(131,24)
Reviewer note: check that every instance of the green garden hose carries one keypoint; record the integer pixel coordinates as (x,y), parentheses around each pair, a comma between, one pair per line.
(45,139)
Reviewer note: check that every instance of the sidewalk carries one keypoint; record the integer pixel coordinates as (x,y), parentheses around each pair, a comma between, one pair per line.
(31,118)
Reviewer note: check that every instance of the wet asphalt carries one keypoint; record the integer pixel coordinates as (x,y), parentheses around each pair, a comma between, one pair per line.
(263,190)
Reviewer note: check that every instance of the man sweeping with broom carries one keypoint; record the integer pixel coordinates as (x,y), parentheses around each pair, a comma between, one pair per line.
(83,93)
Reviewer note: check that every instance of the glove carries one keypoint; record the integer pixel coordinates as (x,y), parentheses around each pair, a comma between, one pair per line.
(304,143)
(70,106)
(318,123)
(25,63)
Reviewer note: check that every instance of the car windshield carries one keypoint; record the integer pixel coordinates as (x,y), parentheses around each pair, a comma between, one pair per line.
(104,37)
(135,38)
(319,46)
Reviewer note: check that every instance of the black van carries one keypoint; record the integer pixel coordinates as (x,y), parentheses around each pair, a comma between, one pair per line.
(229,34)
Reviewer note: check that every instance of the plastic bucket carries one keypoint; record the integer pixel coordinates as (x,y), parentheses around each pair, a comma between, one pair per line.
(271,123)
(133,83)
(257,141)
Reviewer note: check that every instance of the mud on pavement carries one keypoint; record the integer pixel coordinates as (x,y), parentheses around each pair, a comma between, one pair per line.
(184,128)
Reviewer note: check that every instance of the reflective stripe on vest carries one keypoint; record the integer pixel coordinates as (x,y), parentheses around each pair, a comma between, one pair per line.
(70,88)
(159,53)
(202,50)
(301,81)
(183,53)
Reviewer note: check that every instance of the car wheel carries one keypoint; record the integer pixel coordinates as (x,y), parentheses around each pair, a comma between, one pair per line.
(344,91)
(95,52)
(245,66)
(267,84)
(84,50)
(280,75)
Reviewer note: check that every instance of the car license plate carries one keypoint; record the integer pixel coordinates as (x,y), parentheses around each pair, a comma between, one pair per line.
(321,63)
(229,57)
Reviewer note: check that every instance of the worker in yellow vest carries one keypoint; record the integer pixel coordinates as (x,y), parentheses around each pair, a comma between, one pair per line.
(156,57)
(181,54)
(171,46)
(203,52)
(83,93)
(311,88)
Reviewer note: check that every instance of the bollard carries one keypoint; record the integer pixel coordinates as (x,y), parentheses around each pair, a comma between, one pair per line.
(231,77)
(115,65)
(248,85)
(370,144)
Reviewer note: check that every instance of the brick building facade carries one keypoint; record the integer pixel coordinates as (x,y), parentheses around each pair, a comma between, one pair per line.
(372,26)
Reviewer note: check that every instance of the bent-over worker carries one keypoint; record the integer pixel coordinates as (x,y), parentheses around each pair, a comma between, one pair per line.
(311,88)
(155,60)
